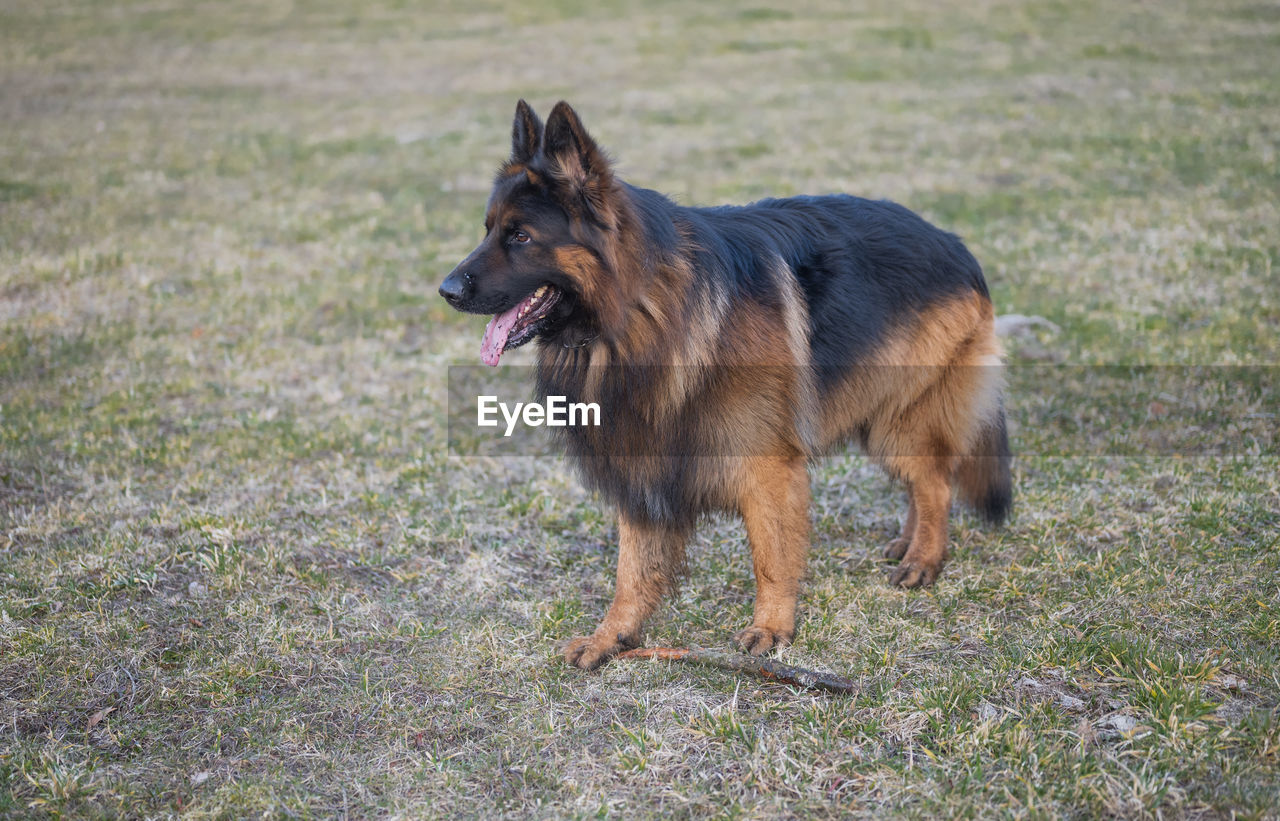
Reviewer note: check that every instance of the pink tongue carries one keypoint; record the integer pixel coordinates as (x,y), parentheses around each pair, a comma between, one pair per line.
(496,333)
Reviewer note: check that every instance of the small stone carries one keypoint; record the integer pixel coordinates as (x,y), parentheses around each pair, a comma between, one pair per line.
(1072,703)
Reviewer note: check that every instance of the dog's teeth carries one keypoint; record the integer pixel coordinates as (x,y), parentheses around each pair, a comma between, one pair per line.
(540,291)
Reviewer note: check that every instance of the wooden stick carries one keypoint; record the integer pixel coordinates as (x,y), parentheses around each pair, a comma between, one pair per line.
(738,663)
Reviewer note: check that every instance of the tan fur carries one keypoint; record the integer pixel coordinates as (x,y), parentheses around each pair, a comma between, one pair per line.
(650,561)
(582,265)
(919,406)
(774,502)
(950,350)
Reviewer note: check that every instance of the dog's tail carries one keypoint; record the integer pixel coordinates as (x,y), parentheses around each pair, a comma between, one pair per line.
(983,477)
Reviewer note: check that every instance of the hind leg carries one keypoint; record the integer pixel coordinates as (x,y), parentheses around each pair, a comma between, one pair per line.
(947,386)
(897,548)
(920,448)
(775,506)
(923,557)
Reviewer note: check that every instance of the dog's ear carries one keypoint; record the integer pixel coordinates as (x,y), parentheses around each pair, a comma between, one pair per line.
(578,164)
(526,134)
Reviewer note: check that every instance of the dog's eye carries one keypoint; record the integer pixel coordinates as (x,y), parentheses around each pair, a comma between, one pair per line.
(519,237)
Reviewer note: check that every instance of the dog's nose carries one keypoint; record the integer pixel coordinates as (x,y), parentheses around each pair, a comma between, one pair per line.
(454,288)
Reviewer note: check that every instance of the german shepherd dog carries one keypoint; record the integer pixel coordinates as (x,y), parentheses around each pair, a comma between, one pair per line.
(727,347)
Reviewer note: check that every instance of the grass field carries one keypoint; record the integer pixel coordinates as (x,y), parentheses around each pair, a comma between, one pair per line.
(241,576)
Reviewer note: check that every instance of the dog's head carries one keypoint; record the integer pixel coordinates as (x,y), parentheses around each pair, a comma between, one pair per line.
(545,261)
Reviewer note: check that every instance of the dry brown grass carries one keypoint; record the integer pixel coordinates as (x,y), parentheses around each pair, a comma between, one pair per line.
(240,575)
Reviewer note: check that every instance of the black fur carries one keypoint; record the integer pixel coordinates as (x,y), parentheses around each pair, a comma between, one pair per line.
(995,499)
(864,265)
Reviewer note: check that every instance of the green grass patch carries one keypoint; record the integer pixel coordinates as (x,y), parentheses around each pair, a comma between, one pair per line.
(242,575)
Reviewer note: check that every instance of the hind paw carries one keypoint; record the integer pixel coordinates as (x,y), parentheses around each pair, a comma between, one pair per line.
(897,548)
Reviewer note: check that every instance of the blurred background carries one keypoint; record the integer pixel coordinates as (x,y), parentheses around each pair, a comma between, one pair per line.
(239,573)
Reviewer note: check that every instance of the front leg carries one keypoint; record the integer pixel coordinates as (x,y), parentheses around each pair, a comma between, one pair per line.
(650,559)
(775,506)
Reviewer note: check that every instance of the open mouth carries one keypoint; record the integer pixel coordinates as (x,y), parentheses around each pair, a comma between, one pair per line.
(516,326)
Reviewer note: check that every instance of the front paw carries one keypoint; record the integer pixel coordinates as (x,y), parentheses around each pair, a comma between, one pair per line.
(757,640)
(589,652)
